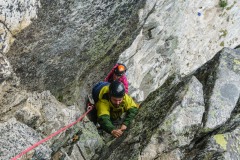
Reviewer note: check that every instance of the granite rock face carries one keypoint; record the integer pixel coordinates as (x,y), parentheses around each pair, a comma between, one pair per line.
(34,116)
(5,68)
(15,137)
(223,87)
(68,40)
(177,38)
(52,52)
(14,17)
(173,122)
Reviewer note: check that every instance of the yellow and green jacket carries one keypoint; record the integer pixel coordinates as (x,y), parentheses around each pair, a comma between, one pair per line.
(107,113)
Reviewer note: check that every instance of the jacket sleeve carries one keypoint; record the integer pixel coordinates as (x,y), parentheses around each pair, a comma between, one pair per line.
(110,74)
(131,113)
(106,123)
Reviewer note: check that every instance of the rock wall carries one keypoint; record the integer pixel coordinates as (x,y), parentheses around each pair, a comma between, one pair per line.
(177,38)
(52,52)
(178,120)
(69,40)
(14,17)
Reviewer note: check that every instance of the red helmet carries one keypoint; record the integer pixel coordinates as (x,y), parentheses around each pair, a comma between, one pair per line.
(120,69)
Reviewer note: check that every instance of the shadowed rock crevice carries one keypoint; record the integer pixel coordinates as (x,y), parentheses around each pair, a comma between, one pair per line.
(69,39)
(220,142)
(152,113)
(207,76)
(67,46)
(170,121)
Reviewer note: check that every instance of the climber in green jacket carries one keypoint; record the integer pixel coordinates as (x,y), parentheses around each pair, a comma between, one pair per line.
(111,102)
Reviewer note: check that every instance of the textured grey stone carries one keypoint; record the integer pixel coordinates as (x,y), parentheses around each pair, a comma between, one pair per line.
(5,68)
(68,40)
(73,44)
(226,89)
(16,137)
(220,146)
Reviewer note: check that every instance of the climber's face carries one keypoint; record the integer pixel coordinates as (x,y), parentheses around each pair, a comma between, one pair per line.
(116,77)
(116,101)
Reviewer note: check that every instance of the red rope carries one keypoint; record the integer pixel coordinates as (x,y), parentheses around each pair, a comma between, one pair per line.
(90,107)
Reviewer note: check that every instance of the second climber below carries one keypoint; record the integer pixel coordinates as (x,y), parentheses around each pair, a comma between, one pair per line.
(118,73)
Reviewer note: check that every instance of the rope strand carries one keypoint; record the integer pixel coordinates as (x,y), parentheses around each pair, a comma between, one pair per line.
(90,107)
